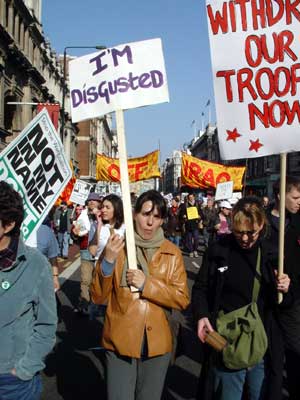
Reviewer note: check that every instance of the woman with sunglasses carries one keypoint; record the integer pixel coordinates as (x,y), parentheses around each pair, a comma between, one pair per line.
(225,284)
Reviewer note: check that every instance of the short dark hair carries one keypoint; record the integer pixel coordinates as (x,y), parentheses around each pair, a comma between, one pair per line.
(11,208)
(157,201)
(290,183)
(117,204)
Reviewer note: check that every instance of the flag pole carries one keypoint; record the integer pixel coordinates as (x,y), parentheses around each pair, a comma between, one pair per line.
(128,220)
(281,217)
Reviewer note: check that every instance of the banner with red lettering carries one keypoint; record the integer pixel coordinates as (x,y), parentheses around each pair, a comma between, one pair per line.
(255,49)
(146,167)
(199,173)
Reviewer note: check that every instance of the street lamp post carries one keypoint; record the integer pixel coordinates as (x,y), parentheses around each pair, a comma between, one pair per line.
(64,82)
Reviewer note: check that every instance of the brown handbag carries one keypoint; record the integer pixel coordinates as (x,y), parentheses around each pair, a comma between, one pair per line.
(215,340)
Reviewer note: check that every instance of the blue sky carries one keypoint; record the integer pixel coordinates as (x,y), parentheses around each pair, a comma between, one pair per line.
(182,26)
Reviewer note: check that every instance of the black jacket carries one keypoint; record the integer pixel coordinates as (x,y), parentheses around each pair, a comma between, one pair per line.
(291,248)
(190,224)
(289,318)
(208,288)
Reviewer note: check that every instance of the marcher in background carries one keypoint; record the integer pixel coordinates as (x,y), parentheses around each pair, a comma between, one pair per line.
(191,218)
(222,223)
(133,198)
(136,333)
(266,202)
(62,220)
(81,228)
(290,319)
(225,283)
(173,225)
(47,245)
(110,220)
(27,307)
(209,216)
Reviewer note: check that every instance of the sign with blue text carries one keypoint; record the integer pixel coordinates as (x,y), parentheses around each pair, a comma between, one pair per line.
(118,78)
(255,51)
(35,165)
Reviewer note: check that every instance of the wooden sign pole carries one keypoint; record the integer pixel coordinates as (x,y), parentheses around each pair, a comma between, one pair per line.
(127,208)
(281,217)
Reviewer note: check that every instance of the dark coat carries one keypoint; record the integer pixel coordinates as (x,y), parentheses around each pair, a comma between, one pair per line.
(190,224)
(289,318)
(172,226)
(209,283)
(291,248)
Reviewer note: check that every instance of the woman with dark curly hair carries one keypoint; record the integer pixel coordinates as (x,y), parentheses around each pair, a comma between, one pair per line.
(27,306)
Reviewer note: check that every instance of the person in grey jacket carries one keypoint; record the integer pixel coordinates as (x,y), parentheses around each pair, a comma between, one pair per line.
(27,305)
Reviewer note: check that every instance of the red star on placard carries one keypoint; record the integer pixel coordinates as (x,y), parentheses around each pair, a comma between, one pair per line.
(232,135)
(255,145)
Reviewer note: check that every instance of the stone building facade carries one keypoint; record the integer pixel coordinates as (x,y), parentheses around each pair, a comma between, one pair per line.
(171,173)
(29,69)
(31,72)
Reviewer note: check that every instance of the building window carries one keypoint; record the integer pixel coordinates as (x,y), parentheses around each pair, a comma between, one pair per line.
(6,14)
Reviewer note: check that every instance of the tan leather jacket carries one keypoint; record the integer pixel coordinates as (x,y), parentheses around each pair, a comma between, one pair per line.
(130,315)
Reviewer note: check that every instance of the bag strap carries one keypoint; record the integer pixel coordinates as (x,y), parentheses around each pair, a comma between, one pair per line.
(221,268)
(256,284)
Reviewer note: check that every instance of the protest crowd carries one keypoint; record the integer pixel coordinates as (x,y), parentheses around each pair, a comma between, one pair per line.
(237,240)
(135,252)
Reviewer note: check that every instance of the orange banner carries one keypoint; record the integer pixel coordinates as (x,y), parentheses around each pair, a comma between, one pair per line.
(199,173)
(66,193)
(139,169)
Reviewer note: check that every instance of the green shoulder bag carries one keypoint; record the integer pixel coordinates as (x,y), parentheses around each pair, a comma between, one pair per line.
(244,331)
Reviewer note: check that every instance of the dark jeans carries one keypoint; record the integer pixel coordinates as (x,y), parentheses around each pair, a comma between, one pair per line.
(229,384)
(192,240)
(13,388)
(175,239)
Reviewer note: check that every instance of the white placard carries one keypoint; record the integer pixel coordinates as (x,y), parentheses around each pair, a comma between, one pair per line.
(255,51)
(35,165)
(80,192)
(122,77)
(224,191)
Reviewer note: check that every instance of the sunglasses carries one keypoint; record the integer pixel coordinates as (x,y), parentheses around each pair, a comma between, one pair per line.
(247,233)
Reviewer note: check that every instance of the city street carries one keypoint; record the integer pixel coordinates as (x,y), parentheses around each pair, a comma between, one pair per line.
(75,369)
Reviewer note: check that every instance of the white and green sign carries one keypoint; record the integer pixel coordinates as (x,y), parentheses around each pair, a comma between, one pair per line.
(35,165)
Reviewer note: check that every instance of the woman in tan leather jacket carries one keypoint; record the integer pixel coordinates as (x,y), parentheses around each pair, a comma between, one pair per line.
(136,332)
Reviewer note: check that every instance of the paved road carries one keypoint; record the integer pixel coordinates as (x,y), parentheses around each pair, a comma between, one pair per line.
(75,370)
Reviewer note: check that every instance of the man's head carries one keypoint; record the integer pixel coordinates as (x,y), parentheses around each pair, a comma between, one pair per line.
(11,210)
(191,198)
(93,201)
(292,193)
(265,201)
(63,205)
(210,203)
